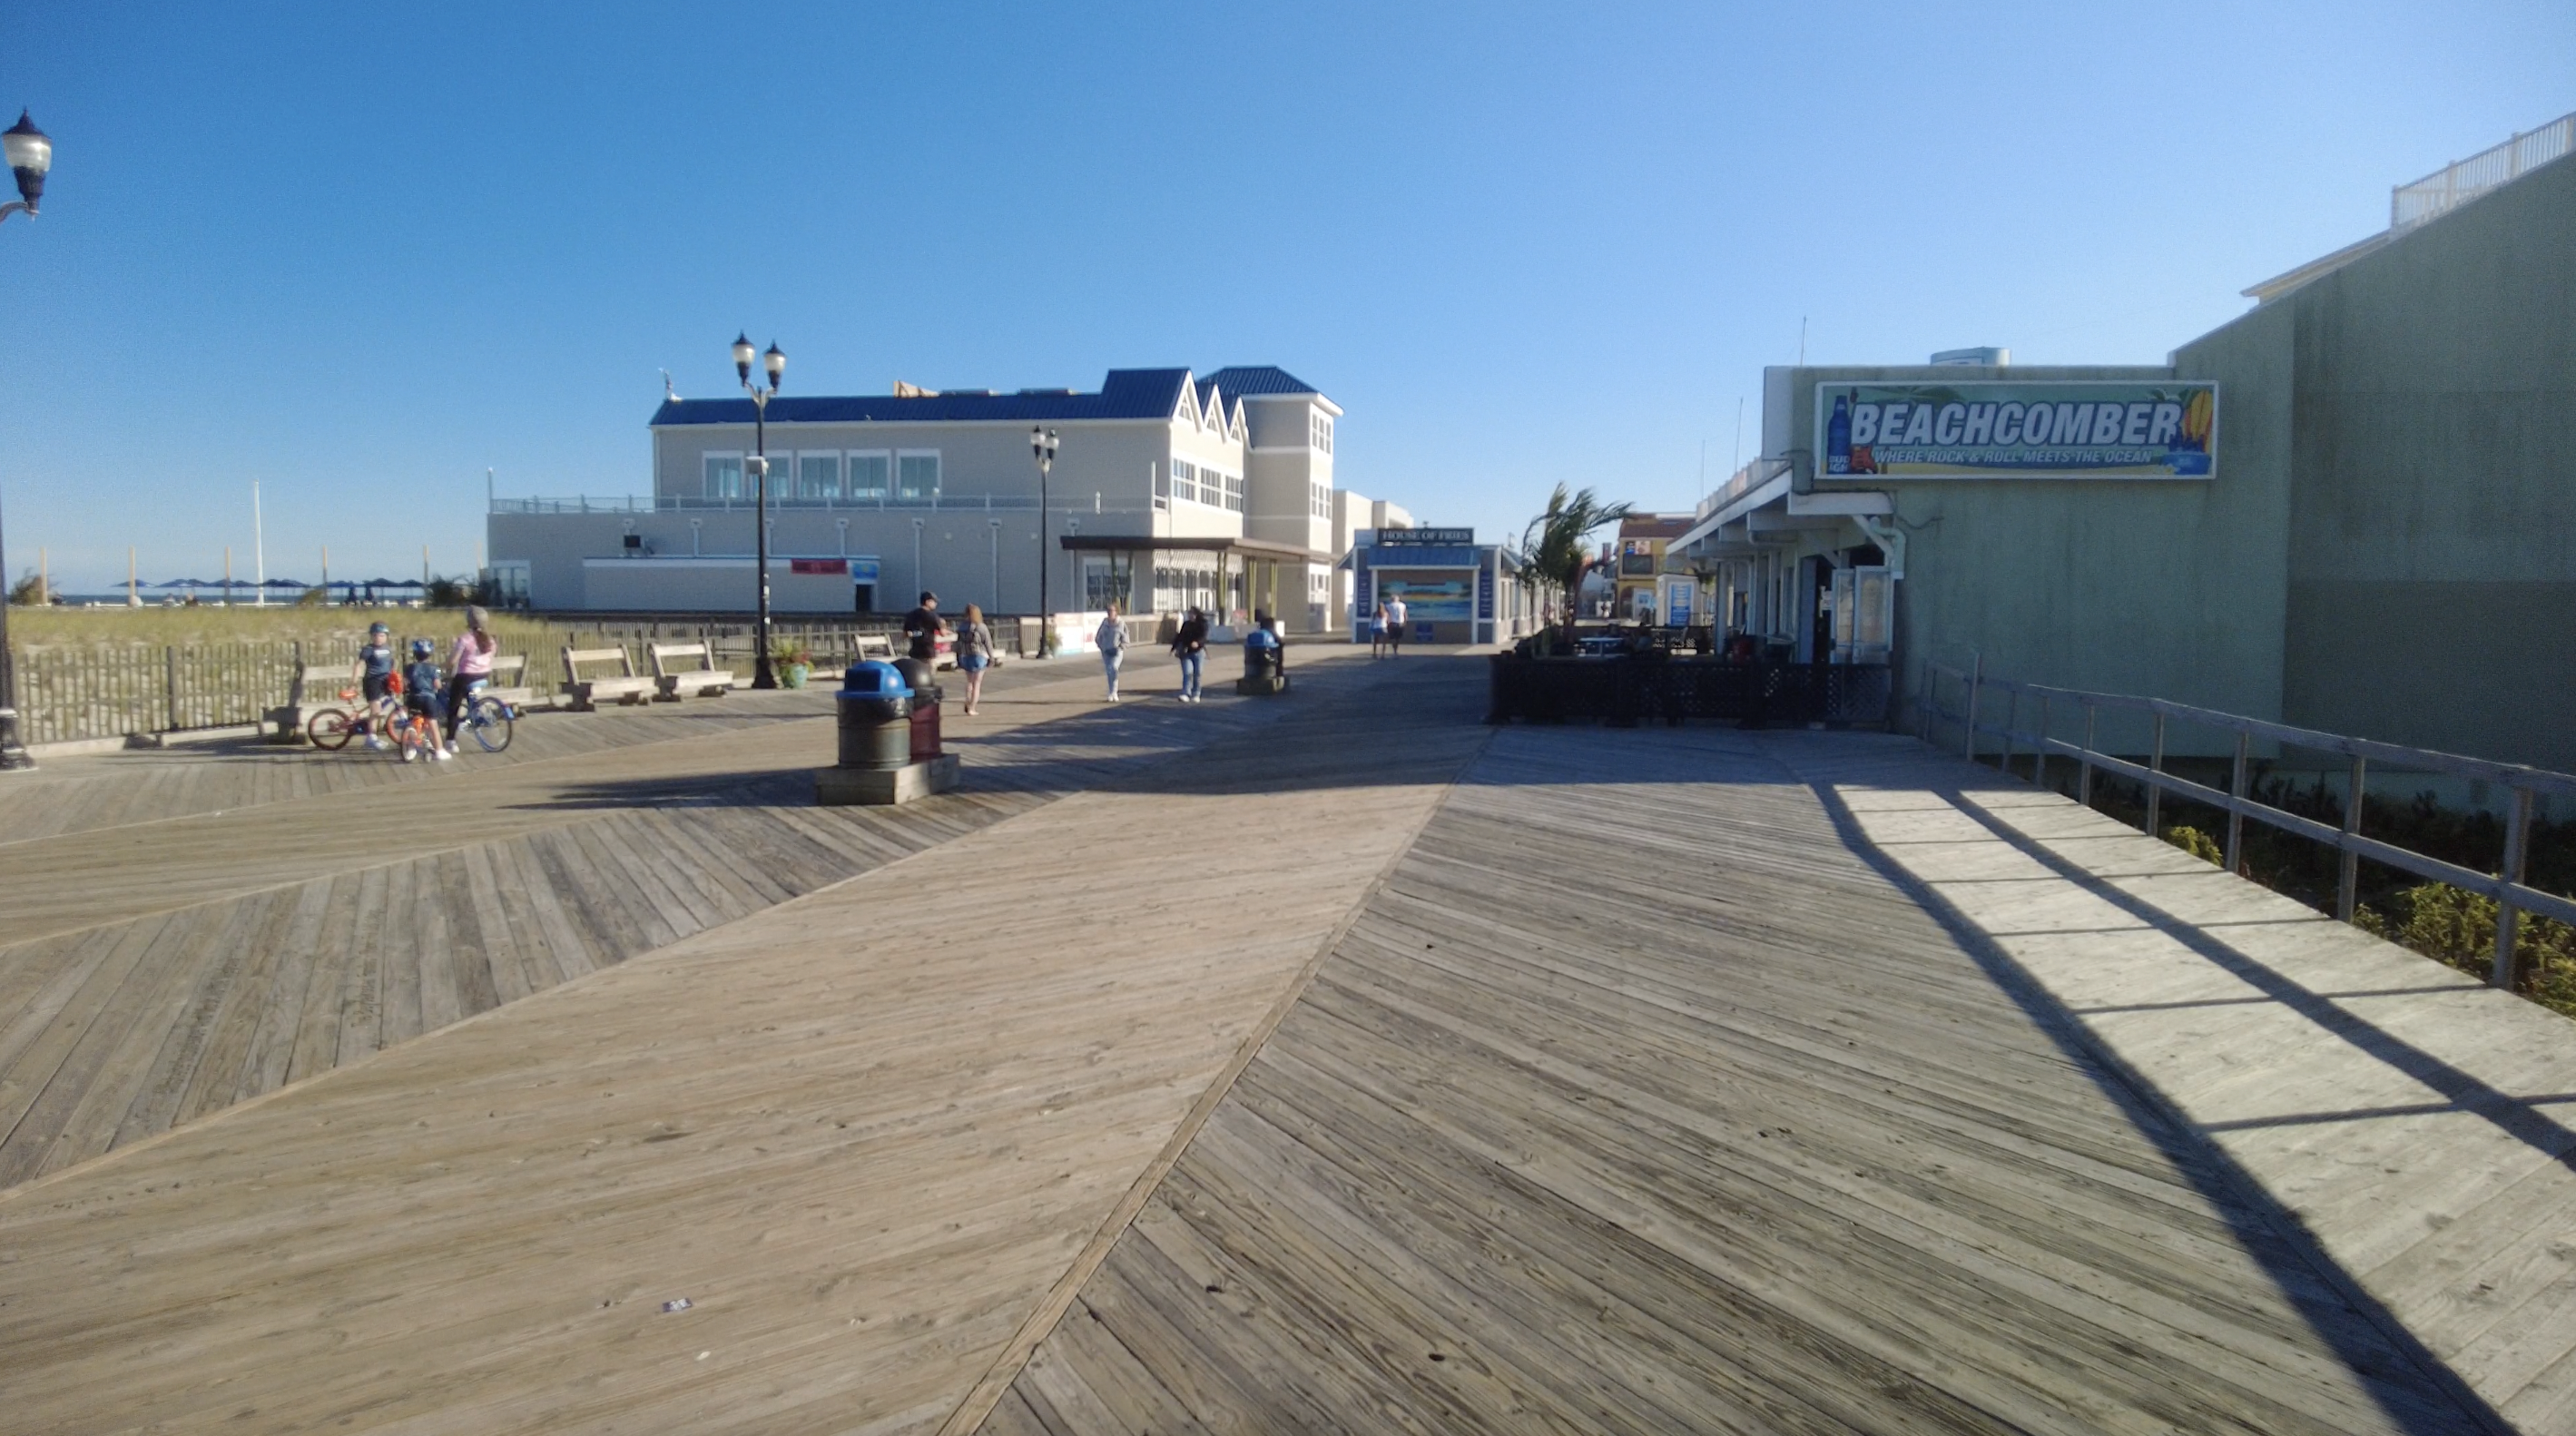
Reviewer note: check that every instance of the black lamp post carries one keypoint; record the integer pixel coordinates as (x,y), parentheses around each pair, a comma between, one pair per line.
(774,363)
(30,154)
(1042,445)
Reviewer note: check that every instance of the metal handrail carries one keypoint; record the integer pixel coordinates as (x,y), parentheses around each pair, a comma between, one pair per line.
(2506,887)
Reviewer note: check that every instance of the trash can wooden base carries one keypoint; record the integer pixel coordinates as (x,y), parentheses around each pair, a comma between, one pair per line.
(1268,685)
(882,787)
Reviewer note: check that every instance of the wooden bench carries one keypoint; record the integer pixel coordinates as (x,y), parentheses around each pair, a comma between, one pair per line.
(316,686)
(705,680)
(623,686)
(509,681)
(874,645)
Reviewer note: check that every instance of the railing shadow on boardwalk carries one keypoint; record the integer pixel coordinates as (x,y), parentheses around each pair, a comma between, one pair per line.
(2264,1227)
(2326,1297)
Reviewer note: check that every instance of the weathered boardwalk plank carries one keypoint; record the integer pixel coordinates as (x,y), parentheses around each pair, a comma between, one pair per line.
(1637,1101)
(864,1132)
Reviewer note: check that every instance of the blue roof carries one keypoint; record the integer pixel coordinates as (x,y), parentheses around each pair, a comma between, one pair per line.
(1244,379)
(1124,394)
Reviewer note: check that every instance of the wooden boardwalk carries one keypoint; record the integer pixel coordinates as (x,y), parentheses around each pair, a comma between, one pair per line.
(1637,1102)
(294,911)
(1325,1065)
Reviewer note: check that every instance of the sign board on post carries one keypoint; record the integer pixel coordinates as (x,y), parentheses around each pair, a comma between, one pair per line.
(1426,538)
(2092,429)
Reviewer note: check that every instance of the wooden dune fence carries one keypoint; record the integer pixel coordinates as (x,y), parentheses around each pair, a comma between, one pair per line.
(67,693)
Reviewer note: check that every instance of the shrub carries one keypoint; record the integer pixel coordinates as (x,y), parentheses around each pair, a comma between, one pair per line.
(2197,843)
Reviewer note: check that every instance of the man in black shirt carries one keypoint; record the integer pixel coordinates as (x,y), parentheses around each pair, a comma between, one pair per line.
(922,627)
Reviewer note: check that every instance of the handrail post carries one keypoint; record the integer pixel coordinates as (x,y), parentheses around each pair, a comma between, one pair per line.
(2084,765)
(1976,678)
(2517,848)
(2155,765)
(2012,715)
(2348,879)
(2039,757)
(2235,817)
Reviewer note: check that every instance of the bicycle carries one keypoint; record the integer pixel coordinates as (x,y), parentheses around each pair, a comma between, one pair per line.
(331,728)
(487,717)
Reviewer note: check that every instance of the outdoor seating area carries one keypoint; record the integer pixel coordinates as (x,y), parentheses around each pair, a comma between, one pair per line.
(1625,687)
(588,690)
(675,681)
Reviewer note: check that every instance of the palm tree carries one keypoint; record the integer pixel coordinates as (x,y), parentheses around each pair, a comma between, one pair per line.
(1556,543)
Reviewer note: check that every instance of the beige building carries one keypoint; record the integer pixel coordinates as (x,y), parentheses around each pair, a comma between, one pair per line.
(1168,490)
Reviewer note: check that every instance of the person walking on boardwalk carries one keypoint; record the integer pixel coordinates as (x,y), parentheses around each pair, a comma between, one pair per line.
(1190,646)
(1395,628)
(468,663)
(1112,642)
(375,675)
(922,628)
(974,654)
(1377,631)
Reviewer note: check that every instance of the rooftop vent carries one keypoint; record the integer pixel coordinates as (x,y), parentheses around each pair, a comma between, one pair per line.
(1988,357)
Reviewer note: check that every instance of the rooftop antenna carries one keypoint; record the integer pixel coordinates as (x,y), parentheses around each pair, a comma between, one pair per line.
(1802,341)
(668,393)
(1739,433)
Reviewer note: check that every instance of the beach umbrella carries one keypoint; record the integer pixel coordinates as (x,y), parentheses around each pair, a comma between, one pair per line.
(284,583)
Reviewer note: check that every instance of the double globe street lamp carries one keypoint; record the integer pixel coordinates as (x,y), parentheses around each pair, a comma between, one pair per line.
(30,154)
(774,363)
(1042,446)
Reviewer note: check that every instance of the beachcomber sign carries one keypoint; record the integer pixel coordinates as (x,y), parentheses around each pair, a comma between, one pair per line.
(2113,429)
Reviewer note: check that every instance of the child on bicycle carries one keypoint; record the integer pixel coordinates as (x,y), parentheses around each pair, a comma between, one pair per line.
(421,692)
(375,674)
(469,663)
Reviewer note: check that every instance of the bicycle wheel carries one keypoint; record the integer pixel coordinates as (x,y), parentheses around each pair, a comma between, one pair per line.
(490,719)
(329,728)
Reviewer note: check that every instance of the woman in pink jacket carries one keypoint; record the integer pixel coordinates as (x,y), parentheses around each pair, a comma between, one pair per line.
(469,663)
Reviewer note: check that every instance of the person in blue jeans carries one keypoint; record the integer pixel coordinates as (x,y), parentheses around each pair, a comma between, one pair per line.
(1190,646)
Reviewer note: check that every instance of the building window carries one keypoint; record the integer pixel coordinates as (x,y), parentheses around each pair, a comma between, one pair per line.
(1162,492)
(916,475)
(1319,500)
(1319,430)
(724,476)
(818,476)
(868,474)
(1185,480)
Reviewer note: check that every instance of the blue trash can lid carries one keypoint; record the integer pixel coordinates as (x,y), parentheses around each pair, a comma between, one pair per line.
(872,678)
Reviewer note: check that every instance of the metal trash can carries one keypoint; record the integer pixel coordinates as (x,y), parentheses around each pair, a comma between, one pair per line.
(926,696)
(876,708)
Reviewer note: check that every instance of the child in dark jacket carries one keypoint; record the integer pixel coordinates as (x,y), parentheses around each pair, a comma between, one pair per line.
(421,693)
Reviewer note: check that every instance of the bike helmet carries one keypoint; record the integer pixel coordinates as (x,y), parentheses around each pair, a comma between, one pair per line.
(422,648)
(375,628)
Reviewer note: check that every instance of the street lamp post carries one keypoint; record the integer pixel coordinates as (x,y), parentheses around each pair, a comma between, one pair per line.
(30,154)
(1042,445)
(773,363)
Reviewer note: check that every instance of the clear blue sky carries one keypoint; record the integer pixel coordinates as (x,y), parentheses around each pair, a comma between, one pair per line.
(359,253)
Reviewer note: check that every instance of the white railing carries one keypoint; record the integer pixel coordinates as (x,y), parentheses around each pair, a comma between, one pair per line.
(2447,188)
(1743,481)
(2512,897)
(674,503)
